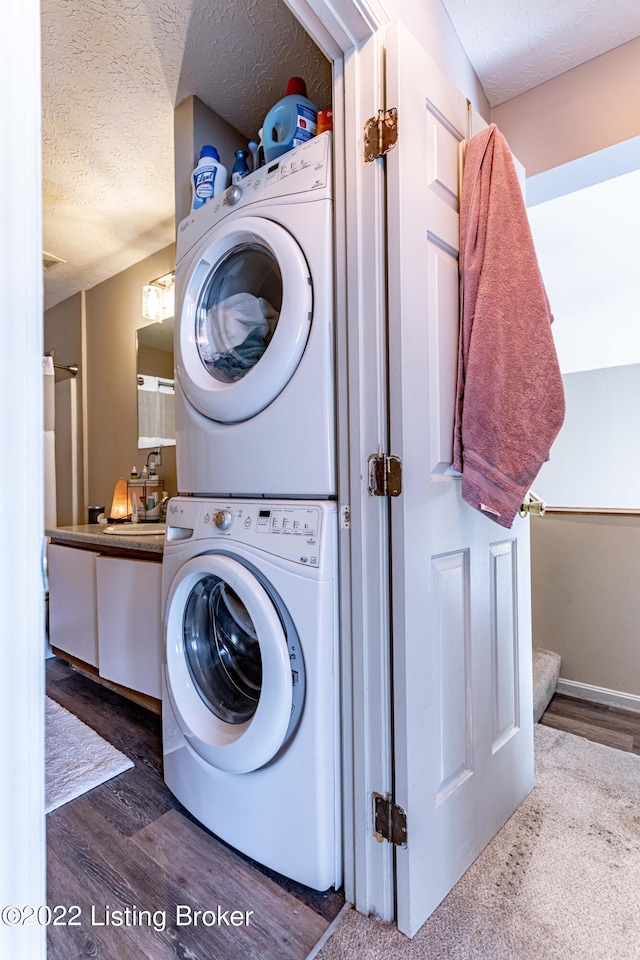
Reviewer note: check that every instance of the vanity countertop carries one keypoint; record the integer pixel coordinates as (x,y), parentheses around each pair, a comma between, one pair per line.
(92,534)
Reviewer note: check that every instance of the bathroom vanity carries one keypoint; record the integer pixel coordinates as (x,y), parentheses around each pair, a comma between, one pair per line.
(104,607)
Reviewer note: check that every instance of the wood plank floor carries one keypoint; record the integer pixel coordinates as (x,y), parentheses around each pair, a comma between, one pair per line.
(595,721)
(130,844)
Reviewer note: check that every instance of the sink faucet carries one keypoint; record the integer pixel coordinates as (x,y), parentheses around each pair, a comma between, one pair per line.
(163,508)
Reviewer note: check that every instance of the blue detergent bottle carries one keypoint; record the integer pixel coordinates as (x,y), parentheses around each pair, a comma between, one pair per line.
(240,167)
(292,121)
(209,177)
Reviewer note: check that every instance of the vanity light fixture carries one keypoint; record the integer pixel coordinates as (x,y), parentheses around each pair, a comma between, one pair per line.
(158,298)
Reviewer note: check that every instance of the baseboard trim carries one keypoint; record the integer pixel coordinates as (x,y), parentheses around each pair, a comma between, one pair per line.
(612,698)
(331,929)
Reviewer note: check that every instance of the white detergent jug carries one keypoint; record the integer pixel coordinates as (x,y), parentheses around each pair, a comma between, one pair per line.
(209,177)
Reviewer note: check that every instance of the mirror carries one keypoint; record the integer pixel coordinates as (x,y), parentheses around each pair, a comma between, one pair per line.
(155,387)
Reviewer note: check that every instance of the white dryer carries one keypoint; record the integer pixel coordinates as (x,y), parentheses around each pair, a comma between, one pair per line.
(254,341)
(250,710)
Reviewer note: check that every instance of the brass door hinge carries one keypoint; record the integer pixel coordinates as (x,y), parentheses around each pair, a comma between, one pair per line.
(389,820)
(380,134)
(385,476)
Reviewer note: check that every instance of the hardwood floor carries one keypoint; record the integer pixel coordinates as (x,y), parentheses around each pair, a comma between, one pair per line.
(130,844)
(595,721)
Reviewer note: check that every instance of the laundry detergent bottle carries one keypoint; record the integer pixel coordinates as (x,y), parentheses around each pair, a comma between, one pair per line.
(209,177)
(240,167)
(292,121)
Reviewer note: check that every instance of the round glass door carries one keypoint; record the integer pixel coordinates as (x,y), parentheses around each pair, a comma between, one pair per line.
(222,650)
(228,668)
(238,312)
(245,319)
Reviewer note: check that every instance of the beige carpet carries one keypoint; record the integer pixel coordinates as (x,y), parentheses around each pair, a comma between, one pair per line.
(561,881)
(77,758)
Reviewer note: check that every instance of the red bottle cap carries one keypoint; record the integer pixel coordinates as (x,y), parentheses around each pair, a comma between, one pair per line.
(297,86)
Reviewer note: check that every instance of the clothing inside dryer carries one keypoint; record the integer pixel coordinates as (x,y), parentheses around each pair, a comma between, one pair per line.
(238,311)
(222,650)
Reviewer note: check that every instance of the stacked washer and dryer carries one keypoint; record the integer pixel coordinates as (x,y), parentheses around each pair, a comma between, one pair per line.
(250,687)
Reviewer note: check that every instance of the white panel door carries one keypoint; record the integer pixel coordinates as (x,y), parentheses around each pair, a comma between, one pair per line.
(460,584)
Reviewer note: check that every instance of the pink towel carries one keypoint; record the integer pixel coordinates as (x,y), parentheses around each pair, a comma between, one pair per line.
(510,399)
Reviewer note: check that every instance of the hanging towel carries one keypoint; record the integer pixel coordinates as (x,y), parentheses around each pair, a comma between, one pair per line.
(510,399)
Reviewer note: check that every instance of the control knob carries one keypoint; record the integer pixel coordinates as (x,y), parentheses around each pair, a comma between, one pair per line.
(223,519)
(233,194)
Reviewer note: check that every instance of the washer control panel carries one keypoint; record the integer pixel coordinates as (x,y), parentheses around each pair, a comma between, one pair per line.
(288,521)
(223,519)
(294,531)
(291,532)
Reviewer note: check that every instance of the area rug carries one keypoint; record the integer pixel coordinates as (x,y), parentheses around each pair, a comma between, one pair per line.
(560,881)
(77,758)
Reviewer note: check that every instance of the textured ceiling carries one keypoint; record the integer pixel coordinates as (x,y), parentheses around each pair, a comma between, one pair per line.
(112,72)
(516,45)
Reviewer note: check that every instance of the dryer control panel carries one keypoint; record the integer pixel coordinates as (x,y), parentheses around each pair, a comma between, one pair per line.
(304,168)
(302,174)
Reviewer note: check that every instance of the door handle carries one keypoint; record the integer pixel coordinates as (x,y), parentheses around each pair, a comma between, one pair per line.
(533,506)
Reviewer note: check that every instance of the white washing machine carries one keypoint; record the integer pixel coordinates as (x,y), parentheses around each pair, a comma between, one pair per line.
(250,710)
(254,342)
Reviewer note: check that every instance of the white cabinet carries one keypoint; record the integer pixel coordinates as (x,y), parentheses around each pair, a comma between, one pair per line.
(73,620)
(104,611)
(129,623)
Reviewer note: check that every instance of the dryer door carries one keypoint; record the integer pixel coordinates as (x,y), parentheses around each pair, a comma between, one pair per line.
(245,318)
(229,672)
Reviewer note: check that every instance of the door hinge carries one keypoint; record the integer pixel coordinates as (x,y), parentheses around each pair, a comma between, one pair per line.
(385,476)
(380,134)
(389,820)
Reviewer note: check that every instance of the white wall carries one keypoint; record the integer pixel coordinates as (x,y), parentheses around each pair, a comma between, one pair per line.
(595,460)
(587,246)
(586,241)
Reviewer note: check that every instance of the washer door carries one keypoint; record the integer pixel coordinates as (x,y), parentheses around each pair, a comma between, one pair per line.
(245,319)
(228,667)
